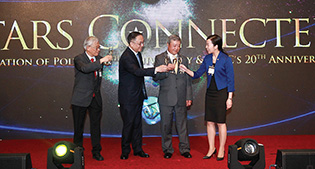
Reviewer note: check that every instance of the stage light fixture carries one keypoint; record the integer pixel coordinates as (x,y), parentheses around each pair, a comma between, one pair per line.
(65,152)
(246,150)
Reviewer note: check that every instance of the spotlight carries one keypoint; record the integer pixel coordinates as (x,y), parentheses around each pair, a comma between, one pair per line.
(65,152)
(246,150)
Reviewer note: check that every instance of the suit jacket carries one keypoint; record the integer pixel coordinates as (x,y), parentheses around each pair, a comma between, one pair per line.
(131,78)
(174,88)
(223,71)
(85,83)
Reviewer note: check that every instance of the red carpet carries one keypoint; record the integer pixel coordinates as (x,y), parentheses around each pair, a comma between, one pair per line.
(111,151)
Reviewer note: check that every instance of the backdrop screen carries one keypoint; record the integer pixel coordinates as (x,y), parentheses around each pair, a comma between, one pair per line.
(271,44)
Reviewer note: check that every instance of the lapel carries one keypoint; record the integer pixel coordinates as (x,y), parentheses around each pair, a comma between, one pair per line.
(167,59)
(218,62)
(86,58)
(134,57)
(98,57)
(180,58)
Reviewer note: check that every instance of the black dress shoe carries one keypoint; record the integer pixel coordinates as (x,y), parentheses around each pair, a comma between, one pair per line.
(98,157)
(167,155)
(124,156)
(141,154)
(187,155)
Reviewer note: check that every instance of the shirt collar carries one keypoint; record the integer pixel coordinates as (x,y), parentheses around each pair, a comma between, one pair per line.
(90,57)
(171,55)
(133,50)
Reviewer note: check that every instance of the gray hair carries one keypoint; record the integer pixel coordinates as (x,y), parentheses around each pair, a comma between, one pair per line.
(174,38)
(89,41)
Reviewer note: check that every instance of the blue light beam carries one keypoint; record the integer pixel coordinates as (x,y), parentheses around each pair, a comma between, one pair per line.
(106,135)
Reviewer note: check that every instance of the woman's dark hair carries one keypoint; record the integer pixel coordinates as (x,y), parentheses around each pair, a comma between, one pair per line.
(132,36)
(216,40)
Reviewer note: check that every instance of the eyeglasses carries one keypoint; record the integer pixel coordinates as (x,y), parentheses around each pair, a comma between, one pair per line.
(141,43)
(96,48)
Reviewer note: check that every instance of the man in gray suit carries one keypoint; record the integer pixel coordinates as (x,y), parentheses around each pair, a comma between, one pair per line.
(86,94)
(175,96)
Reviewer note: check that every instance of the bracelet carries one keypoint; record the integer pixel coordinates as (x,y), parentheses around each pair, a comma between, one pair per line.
(230,98)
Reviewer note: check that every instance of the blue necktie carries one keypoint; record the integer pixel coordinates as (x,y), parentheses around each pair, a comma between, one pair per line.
(138,58)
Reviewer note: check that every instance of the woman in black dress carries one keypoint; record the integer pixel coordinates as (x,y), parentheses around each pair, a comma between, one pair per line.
(220,87)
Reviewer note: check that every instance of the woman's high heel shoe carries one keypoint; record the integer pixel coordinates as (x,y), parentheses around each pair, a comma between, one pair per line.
(208,157)
(220,158)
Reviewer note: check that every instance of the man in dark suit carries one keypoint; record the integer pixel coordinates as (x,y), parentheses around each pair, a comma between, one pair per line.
(86,94)
(175,96)
(131,93)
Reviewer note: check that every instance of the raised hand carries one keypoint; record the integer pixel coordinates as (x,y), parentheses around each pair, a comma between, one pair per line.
(161,68)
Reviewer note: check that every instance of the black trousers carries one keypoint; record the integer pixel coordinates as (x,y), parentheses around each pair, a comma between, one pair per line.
(132,128)
(95,113)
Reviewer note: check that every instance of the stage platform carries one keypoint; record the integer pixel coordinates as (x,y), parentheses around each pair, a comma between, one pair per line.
(152,145)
